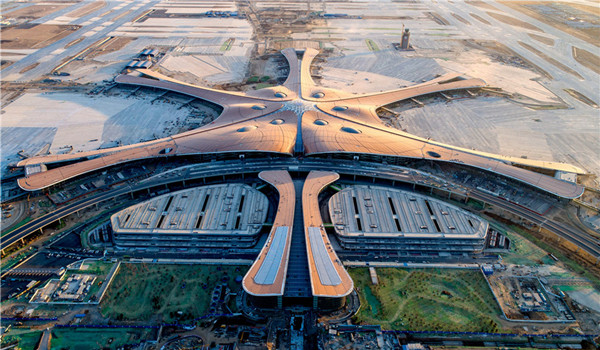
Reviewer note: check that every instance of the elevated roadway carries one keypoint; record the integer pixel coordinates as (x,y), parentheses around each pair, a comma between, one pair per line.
(393,173)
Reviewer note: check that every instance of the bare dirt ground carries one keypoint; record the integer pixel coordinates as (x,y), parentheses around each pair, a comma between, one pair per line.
(121,15)
(587,59)
(112,45)
(480,19)
(30,67)
(581,97)
(502,53)
(551,60)
(86,10)
(482,4)
(513,21)
(542,39)
(559,17)
(73,42)
(436,17)
(28,36)
(4,64)
(461,19)
(34,11)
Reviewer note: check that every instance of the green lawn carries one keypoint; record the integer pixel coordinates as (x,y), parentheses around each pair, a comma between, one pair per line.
(96,338)
(524,252)
(26,339)
(141,291)
(413,300)
(541,247)
(226,46)
(17,225)
(263,85)
(371,45)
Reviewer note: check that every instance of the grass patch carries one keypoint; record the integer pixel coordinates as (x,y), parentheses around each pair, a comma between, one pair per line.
(25,339)
(141,291)
(547,248)
(17,225)
(523,252)
(371,45)
(8,263)
(263,85)
(226,46)
(416,299)
(89,338)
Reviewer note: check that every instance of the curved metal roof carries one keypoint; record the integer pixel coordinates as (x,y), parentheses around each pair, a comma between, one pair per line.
(328,277)
(353,127)
(267,275)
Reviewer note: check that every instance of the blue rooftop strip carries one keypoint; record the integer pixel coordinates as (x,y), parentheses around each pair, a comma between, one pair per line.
(269,268)
(328,275)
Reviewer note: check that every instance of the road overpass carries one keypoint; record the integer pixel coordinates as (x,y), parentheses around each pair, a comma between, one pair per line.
(372,170)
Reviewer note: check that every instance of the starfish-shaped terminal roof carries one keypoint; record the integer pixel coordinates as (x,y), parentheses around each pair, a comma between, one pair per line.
(298,116)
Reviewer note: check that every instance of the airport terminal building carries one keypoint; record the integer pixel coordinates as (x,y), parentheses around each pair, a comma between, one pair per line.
(218,216)
(386,219)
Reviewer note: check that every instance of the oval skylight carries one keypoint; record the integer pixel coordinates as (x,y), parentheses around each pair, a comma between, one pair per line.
(350,130)
(434,154)
(247,128)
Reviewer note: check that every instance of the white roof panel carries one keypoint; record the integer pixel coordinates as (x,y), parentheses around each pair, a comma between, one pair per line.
(269,268)
(328,275)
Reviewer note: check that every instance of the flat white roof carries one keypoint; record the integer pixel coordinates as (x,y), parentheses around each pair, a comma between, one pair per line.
(384,211)
(272,263)
(232,208)
(327,273)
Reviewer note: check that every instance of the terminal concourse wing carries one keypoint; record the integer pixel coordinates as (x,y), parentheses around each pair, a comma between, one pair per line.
(328,277)
(267,275)
(266,120)
(275,133)
(324,133)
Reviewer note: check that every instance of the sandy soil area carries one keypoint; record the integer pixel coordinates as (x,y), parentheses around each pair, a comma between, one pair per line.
(481,4)
(543,39)
(36,36)
(565,17)
(87,9)
(587,59)
(513,21)
(34,11)
(551,60)
(511,79)
(359,82)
